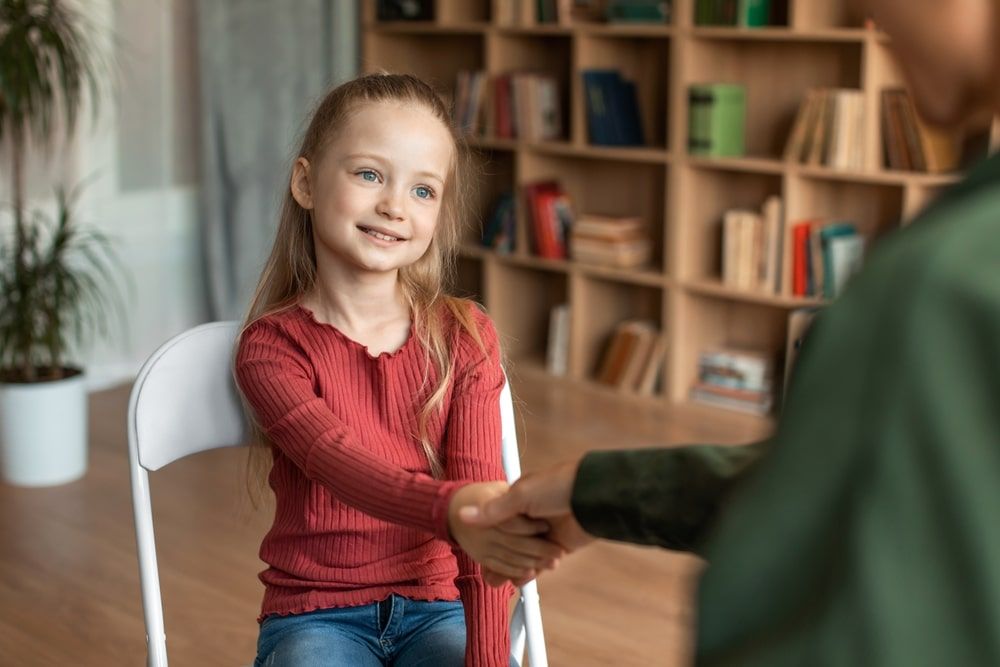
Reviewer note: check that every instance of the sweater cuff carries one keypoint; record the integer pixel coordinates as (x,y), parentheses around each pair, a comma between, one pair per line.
(486,622)
(439,511)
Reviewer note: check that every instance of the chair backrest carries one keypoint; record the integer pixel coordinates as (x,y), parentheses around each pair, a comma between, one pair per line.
(185,401)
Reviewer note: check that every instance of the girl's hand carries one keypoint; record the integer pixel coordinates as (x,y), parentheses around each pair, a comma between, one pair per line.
(514,549)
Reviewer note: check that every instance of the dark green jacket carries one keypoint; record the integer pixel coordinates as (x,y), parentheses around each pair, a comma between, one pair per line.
(866,531)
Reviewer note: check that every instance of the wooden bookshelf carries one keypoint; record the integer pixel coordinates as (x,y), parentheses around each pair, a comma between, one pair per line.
(683,197)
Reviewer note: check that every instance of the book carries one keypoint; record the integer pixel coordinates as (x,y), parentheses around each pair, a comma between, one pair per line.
(831,277)
(638,11)
(756,405)
(773,211)
(736,368)
(753,13)
(538,202)
(799,139)
(717,120)
(557,352)
(627,254)
(609,228)
(616,356)
(653,370)
(799,322)
(498,233)
(846,257)
(800,262)
(644,334)
(612,109)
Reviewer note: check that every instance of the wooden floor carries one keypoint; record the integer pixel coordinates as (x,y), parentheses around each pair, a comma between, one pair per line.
(69,590)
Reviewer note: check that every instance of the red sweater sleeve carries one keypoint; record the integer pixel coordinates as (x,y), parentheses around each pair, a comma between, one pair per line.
(277,381)
(472,453)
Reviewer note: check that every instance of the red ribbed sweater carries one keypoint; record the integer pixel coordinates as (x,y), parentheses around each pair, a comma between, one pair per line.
(357,514)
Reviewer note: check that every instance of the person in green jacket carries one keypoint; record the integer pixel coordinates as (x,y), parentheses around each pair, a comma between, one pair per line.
(866,531)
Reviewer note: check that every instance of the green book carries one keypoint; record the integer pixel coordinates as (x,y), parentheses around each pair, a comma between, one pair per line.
(754,13)
(717,120)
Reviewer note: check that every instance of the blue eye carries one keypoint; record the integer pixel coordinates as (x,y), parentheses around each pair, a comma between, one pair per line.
(369,175)
(424,192)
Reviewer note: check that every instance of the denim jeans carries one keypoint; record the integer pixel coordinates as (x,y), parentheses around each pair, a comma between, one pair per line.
(395,631)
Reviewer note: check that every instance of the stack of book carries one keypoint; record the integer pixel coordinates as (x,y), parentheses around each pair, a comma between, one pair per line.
(612,109)
(519,105)
(610,241)
(912,145)
(717,120)
(736,379)
(752,247)
(550,216)
(498,233)
(824,257)
(633,360)
(829,129)
(743,13)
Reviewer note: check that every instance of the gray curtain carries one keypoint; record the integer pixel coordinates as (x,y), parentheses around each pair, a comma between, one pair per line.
(263,66)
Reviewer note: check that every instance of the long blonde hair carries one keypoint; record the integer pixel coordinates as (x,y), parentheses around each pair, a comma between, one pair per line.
(290,271)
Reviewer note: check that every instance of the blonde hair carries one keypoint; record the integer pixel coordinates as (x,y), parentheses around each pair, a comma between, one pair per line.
(290,271)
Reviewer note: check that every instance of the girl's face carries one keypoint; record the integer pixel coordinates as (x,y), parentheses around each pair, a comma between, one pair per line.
(375,193)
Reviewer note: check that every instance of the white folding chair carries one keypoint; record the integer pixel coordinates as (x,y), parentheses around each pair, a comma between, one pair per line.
(185,401)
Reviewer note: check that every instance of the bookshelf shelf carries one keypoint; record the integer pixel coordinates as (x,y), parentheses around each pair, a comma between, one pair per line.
(681,198)
(747,164)
(780,34)
(645,277)
(626,30)
(425,27)
(717,289)
(652,155)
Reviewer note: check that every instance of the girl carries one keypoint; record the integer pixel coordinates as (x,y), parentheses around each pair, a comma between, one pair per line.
(379,398)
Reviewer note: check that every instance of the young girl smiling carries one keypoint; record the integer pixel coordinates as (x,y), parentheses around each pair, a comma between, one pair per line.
(378,396)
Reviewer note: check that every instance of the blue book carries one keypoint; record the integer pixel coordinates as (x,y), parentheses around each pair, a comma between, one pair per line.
(599,122)
(612,109)
(830,278)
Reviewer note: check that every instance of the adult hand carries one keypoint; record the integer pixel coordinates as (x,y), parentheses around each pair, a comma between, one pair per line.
(543,495)
(511,547)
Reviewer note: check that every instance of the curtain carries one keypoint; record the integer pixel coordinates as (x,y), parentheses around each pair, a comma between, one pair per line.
(263,66)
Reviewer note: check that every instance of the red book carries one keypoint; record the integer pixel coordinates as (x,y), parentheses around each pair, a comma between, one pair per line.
(800,258)
(545,245)
(502,101)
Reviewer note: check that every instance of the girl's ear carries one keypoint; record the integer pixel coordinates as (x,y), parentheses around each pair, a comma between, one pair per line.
(301,190)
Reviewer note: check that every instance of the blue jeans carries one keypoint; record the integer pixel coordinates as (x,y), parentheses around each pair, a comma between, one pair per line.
(395,631)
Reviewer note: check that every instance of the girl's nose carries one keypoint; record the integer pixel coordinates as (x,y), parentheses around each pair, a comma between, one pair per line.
(390,207)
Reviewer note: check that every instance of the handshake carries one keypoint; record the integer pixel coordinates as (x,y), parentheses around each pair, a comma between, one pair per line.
(516,532)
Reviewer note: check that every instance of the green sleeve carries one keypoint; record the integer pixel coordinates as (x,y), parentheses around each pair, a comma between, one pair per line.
(662,497)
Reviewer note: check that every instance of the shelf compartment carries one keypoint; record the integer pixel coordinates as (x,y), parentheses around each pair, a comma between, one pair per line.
(408,54)
(874,209)
(642,60)
(777,76)
(520,300)
(494,174)
(604,187)
(718,321)
(599,306)
(510,53)
(719,190)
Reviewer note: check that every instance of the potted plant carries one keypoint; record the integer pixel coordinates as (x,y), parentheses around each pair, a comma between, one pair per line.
(56,278)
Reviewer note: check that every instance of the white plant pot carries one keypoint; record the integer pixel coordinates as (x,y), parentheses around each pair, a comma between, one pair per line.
(43,431)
